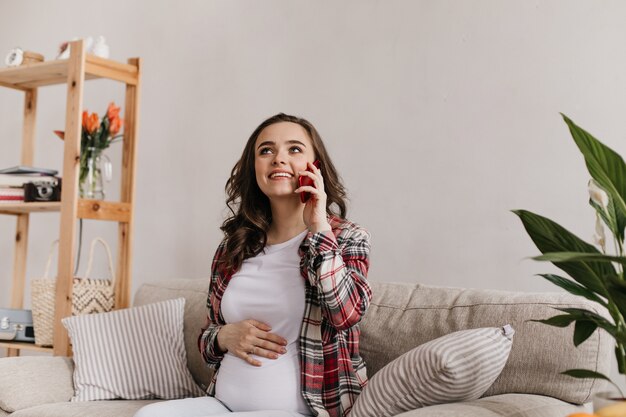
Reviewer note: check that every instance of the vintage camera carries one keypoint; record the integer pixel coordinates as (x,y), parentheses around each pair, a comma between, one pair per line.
(49,190)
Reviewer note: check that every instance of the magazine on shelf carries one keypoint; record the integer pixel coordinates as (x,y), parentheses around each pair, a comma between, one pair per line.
(23,169)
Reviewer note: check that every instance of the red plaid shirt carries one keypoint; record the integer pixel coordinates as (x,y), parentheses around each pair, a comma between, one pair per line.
(334,267)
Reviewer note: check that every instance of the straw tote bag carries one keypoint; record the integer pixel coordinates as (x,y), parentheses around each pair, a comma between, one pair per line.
(88,295)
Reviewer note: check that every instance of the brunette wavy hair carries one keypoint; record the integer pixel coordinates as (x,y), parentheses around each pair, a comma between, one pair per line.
(245,230)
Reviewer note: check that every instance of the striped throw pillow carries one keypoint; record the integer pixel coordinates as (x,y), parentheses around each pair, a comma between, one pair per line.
(135,353)
(460,366)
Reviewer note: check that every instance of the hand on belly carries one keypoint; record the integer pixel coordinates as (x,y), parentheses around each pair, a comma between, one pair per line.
(251,337)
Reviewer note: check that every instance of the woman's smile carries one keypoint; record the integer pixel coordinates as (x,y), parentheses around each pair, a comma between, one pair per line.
(279,174)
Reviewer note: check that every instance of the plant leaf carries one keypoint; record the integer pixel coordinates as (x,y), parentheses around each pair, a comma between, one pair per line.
(583,330)
(585,373)
(579,256)
(609,216)
(574,288)
(617,287)
(606,167)
(586,315)
(562,320)
(619,354)
(550,237)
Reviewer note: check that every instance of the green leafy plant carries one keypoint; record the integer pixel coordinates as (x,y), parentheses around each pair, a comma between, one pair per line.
(592,272)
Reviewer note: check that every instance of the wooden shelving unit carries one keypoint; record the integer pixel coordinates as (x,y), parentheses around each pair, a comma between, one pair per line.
(73,72)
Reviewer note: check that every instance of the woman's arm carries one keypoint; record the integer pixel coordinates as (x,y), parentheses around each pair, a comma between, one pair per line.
(339,272)
(207,343)
(207,340)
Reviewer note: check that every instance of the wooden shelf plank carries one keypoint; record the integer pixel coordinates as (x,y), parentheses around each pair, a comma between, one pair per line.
(34,75)
(87,209)
(25,346)
(112,70)
(55,72)
(104,210)
(20,208)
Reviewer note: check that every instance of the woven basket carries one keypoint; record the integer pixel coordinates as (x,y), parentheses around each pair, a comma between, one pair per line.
(88,296)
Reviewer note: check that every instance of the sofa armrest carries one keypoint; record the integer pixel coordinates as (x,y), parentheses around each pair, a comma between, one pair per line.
(27,381)
(410,315)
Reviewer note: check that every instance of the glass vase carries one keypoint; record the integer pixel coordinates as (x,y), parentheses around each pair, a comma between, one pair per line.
(95,169)
(609,404)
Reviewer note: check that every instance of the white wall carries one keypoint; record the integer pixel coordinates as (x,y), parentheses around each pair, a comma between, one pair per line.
(442,116)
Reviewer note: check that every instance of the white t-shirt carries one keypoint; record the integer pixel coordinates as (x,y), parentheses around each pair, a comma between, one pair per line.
(268,288)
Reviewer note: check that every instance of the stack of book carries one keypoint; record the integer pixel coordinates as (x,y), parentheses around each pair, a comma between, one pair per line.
(12,181)
(11,194)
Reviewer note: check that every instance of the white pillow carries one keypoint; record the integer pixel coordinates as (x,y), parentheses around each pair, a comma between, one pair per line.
(460,366)
(132,354)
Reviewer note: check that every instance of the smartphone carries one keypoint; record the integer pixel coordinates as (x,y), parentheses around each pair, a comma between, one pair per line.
(304,180)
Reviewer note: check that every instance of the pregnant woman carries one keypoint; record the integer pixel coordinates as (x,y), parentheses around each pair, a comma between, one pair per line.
(288,286)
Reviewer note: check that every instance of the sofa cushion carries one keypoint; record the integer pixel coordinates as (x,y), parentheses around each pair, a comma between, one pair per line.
(195,293)
(412,314)
(505,405)
(28,381)
(459,366)
(109,408)
(134,353)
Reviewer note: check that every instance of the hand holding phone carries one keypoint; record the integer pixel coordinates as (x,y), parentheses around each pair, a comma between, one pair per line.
(303,180)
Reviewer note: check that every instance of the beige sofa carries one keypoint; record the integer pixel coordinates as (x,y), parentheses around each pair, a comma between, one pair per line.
(400,317)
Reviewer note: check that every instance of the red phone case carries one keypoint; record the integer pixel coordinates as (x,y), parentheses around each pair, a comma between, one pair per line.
(304,180)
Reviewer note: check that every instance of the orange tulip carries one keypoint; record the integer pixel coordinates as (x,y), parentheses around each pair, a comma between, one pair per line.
(93,122)
(116,125)
(85,118)
(112,111)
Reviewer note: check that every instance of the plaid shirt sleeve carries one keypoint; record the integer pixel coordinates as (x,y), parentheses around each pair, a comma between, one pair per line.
(338,269)
(207,340)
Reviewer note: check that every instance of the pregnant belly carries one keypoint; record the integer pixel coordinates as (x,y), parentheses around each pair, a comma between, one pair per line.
(273,386)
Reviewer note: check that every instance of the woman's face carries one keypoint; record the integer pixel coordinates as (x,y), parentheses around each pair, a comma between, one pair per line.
(280,152)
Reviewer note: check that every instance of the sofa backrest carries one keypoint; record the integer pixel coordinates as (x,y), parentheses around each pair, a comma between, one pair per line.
(403,316)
